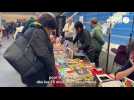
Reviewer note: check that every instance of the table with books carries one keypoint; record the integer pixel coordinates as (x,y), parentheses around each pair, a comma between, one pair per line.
(75,72)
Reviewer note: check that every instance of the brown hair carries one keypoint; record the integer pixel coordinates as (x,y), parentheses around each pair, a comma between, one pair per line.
(94,21)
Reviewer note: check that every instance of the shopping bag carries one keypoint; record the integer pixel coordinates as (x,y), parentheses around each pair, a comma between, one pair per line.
(22,57)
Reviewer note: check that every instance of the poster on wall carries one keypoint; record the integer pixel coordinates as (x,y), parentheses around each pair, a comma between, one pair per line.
(81,19)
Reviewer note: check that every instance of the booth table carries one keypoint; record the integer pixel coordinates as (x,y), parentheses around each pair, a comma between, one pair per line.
(81,73)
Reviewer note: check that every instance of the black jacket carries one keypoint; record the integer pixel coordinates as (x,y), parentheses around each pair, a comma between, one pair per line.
(84,38)
(44,50)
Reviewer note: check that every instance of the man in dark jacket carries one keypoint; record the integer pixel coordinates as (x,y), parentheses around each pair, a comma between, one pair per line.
(83,37)
(43,49)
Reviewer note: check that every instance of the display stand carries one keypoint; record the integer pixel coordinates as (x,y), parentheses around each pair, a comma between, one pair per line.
(109,39)
(131,34)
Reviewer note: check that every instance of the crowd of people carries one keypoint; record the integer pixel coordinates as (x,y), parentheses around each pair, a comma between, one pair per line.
(9,28)
(89,42)
(43,30)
